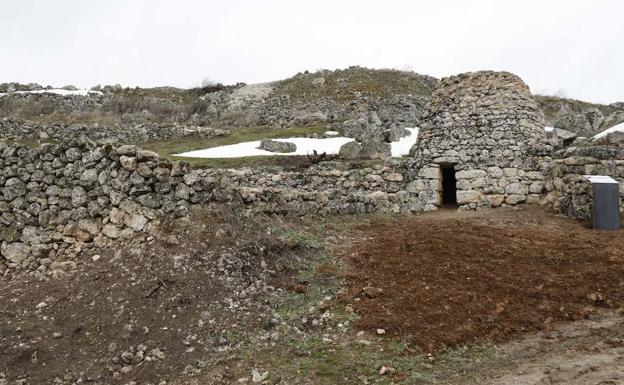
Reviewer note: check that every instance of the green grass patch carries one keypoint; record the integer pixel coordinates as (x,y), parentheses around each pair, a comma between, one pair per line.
(307,356)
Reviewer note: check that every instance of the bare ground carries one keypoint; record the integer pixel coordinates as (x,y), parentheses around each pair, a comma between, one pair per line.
(448,280)
(494,297)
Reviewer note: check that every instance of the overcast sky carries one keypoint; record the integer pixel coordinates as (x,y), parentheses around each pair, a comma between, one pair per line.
(570,47)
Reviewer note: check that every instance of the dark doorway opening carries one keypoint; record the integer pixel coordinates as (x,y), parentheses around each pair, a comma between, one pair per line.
(449,185)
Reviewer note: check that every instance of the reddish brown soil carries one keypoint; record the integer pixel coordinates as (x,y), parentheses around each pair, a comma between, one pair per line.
(453,278)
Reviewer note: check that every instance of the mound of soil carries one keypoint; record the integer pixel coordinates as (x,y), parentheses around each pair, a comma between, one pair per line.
(454,278)
(143,313)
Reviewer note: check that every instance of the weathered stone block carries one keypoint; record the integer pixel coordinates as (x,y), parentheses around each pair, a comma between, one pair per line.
(470,174)
(128,163)
(15,252)
(495,200)
(429,172)
(514,199)
(468,196)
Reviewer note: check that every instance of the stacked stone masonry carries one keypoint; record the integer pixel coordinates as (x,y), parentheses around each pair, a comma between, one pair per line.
(59,196)
(569,191)
(487,126)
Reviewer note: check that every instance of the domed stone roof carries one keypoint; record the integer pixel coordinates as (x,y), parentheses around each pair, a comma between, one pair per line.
(485,117)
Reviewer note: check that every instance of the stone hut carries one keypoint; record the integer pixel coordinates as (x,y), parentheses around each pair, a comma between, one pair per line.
(482,142)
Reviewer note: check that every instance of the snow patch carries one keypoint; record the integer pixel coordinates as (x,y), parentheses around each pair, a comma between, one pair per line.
(403,145)
(616,128)
(58,91)
(305,146)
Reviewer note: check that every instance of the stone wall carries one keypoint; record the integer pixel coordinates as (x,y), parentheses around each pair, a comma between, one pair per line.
(326,188)
(55,198)
(58,198)
(490,129)
(569,192)
(17,129)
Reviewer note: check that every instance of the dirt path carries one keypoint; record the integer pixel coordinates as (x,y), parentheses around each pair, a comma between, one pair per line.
(581,353)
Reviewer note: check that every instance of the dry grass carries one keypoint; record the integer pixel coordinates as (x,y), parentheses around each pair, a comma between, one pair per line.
(344,84)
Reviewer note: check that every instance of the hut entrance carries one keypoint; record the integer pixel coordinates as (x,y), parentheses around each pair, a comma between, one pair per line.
(449,185)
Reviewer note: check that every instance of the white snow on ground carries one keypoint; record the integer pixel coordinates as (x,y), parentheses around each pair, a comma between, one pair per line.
(549,129)
(58,91)
(617,127)
(305,146)
(332,133)
(403,145)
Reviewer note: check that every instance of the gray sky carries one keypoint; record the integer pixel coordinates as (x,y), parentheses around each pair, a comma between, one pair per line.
(572,47)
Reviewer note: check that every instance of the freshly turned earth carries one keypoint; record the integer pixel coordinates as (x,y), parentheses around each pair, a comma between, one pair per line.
(447,279)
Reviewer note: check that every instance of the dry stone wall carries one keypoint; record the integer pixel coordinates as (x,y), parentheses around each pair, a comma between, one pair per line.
(55,198)
(327,188)
(568,190)
(17,129)
(58,198)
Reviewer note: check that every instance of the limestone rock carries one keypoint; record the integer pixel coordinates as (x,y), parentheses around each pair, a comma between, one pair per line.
(15,252)
(468,196)
(127,150)
(277,146)
(128,163)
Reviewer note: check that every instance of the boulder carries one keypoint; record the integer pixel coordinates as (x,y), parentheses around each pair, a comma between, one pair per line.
(363,129)
(277,146)
(365,150)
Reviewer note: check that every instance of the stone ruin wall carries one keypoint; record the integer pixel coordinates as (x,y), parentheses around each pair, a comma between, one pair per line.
(569,192)
(18,129)
(59,198)
(488,126)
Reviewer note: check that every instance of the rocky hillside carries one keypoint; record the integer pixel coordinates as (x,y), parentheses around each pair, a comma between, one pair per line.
(582,118)
(321,98)
(328,97)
